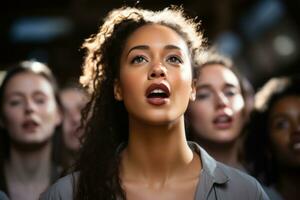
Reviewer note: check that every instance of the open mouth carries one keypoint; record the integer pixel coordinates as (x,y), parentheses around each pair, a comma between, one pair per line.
(223,121)
(157,94)
(30,125)
(296,146)
(295,143)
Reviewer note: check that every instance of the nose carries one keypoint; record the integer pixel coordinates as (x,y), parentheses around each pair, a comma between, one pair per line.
(29,107)
(157,71)
(221,100)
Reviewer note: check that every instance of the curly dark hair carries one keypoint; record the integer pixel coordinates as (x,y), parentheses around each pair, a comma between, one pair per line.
(107,127)
(263,165)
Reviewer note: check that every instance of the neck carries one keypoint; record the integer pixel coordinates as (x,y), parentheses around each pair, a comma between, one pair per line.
(156,153)
(69,157)
(30,165)
(288,183)
(226,153)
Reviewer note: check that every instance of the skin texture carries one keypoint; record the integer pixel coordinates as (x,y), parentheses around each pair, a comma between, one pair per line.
(159,59)
(30,98)
(218,92)
(218,95)
(284,125)
(30,118)
(73,101)
(157,159)
(285,131)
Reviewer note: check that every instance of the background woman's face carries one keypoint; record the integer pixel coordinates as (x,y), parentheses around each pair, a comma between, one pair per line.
(217,113)
(73,101)
(155,75)
(284,125)
(30,110)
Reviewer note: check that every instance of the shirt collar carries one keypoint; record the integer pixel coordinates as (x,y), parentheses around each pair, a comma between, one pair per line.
(209,165)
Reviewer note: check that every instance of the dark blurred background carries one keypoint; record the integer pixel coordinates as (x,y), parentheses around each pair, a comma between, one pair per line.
(262,36)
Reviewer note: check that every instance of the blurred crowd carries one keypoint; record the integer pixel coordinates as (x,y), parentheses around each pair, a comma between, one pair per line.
(253,129)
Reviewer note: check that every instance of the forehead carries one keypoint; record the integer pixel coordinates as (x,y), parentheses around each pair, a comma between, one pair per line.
(72,94)
(217,74)
(288,104)
(27,82)
(155,35)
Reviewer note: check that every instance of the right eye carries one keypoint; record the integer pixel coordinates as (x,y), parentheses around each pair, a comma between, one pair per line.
(14,102)
(202,95)
(138,59)
(281,124)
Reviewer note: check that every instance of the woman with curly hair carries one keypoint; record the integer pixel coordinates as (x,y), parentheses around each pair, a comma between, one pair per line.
(139,70)
(275,133)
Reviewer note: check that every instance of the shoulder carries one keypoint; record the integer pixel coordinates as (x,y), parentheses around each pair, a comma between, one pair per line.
(243,185)
(3,196)
(62,189)
(220,181)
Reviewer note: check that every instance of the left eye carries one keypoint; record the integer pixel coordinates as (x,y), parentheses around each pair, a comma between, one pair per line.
(138,59)
(174,59)
(230,93)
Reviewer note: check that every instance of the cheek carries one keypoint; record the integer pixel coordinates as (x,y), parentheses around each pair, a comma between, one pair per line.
(279,139)
(49,115)
(12,117)
(238,105)
(182,83)
(131,83)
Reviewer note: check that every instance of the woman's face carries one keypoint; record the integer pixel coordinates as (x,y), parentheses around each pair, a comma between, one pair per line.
(216,115)
(30,110)
(73,101)
(284,124)
(155,75)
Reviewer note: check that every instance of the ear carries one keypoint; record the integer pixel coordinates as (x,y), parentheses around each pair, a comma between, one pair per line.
(193,91)
(118,91)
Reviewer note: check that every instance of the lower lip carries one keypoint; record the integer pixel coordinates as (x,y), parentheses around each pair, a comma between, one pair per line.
(222,125)
(30,129)
(157,101)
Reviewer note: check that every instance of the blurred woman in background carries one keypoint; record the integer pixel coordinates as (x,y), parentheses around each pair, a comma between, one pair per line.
(218,115)
(73,98)
(273,147)
(29,113)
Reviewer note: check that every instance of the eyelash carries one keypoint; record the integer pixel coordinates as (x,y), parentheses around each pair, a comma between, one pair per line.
(178,59)
(136,60)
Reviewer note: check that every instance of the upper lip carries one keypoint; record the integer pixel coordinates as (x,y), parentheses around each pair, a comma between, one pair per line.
(164,87)
(224,116)
(30,121)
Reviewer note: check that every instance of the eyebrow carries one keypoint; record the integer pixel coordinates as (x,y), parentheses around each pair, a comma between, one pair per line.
(279,116)
(208,86)
(146,47)
(17,93)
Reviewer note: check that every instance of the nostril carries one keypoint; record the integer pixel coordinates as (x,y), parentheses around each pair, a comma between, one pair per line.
(162,74)
(152,75)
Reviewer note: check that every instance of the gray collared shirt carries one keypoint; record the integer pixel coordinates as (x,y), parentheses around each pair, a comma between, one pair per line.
(217,182)
(3,196)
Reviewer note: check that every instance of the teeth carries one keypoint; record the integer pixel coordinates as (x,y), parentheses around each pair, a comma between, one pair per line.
(157,91)
(296,146)
(222,119)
